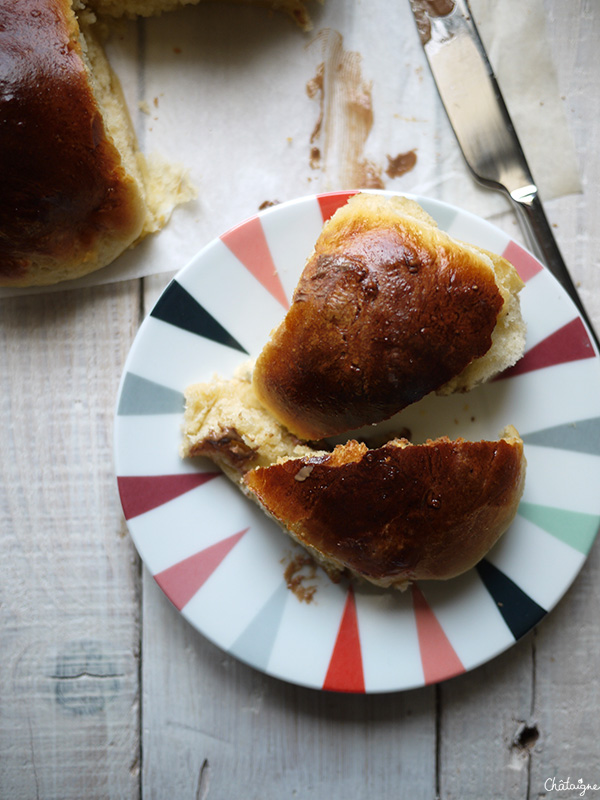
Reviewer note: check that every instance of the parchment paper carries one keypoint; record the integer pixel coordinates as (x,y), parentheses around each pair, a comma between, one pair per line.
(261,112)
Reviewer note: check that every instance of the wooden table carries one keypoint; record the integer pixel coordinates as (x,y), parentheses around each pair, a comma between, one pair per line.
(106,692)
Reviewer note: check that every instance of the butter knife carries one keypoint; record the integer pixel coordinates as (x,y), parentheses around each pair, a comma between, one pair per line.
(486,135)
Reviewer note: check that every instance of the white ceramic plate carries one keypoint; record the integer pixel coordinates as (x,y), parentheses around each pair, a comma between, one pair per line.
(226,567)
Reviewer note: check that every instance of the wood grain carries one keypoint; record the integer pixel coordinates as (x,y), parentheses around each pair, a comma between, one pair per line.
(69,594)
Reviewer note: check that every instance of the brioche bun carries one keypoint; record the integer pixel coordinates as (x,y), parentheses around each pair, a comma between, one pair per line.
(398,513)
(387,309)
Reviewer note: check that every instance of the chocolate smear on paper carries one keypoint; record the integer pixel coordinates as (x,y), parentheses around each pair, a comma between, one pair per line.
(345,117)
(368,175)
(401,164)
(315,158)
(345,120)
(314,88)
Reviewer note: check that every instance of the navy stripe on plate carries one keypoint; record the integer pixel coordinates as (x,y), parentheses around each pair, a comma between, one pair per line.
(177,307)
(519,611)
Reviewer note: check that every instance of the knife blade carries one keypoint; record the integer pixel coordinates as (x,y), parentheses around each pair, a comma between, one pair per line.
(485,132)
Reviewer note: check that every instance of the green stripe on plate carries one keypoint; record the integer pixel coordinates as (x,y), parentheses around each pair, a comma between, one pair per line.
(575,528)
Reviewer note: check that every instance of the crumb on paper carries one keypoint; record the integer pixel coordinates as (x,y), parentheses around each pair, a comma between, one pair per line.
(268,204)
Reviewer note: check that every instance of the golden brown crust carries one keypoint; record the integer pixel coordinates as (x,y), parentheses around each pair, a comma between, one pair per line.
(398,513)
(387,309)
(133,8)
(64,188)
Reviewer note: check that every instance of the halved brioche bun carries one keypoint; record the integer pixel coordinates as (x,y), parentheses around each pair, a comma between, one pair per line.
(387,309)
(398,513)
(389,515)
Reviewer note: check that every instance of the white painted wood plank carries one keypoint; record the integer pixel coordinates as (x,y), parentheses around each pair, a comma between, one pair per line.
(69,704)
(567,695)
(480,716)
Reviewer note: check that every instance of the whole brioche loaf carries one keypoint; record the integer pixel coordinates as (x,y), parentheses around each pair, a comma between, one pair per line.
(387,309)
(76,191)
(388,515)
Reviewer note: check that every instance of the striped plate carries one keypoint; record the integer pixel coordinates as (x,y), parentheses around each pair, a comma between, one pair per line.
(226,567)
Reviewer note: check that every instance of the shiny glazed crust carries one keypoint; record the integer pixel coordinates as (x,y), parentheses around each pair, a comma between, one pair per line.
(388,309)
(398,513)
(68,205)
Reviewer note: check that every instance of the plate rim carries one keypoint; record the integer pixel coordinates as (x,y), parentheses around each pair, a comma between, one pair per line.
(194,263)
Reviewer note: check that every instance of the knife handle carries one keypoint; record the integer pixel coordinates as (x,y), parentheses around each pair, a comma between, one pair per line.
(531,213)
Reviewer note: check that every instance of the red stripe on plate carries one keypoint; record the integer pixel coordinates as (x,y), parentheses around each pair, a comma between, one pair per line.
(526,265)
(249,244)
(141,493)
(569,343)
(329,203)
(345,671)
(181,581)
(438,657)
